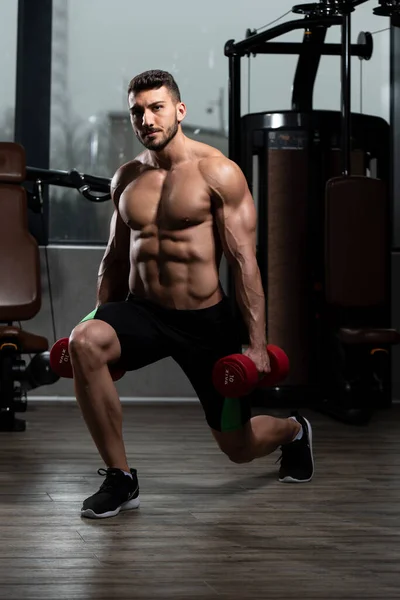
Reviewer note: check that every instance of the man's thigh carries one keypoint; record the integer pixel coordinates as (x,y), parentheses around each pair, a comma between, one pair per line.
(140,335)
(228,418)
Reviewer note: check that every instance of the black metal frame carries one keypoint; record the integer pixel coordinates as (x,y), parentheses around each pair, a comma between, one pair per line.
(310,52)
(33,95)
(371,133)
(245,131)
(346,93)
(312,47)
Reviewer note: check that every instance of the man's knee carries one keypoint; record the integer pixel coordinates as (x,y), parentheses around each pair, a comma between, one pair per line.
(235,446)
(238,456)
(94,340)
(82,338)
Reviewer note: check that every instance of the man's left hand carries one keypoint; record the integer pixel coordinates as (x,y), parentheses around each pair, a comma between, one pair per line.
(260,358)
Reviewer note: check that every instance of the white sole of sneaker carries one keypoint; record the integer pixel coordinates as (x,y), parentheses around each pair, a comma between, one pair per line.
(131,504)
(291,479)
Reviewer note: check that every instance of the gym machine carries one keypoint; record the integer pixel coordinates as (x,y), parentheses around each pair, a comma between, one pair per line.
(20,295)
(323,185)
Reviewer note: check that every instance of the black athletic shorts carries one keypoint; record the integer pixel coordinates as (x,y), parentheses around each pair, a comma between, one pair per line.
(195,339)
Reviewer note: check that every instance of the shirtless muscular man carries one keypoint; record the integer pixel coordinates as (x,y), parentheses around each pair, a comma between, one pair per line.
(179,205)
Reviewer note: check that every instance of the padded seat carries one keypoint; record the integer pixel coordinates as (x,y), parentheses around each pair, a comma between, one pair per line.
(365,335)
(28,343)
(20,290)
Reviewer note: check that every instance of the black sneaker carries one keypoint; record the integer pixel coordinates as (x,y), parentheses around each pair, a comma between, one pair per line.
(118,492)
(297,461)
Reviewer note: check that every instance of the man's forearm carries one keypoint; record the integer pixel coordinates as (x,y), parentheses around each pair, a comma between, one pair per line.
(112,282)
(251,301)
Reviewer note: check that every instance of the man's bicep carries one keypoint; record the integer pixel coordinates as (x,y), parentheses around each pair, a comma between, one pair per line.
(119,235)
(235,211)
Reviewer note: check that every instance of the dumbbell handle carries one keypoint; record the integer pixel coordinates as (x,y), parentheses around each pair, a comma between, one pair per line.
(236,375)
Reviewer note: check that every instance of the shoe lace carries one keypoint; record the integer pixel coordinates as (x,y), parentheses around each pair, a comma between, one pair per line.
(111,478)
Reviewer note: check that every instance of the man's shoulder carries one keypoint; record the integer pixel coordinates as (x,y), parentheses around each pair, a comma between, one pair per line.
(223,176)
(218,167)
(210,158)
(126,174)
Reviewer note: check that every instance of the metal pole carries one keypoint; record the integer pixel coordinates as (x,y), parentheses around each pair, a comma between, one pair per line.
(234,107)
(33,94)
(360,50)
(346,94)
(234,141)
(246,45)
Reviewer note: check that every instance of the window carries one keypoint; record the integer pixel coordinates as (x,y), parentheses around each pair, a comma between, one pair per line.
(97,49)
(8,67)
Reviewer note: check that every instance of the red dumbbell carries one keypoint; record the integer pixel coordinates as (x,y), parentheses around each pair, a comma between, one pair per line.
(60,361)
(236,375)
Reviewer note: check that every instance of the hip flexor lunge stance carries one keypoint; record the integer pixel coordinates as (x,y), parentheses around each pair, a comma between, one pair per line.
(179,206)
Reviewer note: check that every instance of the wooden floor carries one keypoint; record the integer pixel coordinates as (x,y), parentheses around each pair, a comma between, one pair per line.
(206,528)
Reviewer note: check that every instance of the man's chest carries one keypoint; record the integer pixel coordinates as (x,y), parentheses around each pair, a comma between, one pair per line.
(167,200)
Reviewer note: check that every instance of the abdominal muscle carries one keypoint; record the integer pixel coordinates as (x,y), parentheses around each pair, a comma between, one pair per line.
(176,269)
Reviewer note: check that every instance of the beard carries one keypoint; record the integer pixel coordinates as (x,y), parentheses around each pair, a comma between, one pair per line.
(158,145)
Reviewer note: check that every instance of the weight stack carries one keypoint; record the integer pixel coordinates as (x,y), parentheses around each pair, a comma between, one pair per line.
(287,273)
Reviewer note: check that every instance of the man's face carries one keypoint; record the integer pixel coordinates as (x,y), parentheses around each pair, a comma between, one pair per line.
(155,117)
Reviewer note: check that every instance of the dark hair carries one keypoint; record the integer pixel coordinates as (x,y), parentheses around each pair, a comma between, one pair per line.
(153,80)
